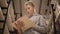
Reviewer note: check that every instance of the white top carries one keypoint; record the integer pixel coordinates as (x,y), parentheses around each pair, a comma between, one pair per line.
(40,25)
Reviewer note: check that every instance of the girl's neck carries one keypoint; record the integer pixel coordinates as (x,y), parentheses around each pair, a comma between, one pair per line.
(29,15)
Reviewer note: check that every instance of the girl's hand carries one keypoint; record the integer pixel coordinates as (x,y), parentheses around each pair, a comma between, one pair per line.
(19,25)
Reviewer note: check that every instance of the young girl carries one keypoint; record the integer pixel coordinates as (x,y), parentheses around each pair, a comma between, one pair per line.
(40,26)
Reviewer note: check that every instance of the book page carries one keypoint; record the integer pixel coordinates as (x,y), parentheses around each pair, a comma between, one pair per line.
(27,23)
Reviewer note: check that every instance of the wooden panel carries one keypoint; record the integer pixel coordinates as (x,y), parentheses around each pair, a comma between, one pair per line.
(43,7)
(23,10)
(1,15)
(6,31)
(1,25)
(17,6)
(9,22)
(3,3)
(11,11)
(4,11)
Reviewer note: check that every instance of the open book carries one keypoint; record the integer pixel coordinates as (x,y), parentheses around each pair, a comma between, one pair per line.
(27,23)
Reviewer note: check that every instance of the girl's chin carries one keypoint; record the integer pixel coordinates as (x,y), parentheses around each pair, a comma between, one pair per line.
(29,15)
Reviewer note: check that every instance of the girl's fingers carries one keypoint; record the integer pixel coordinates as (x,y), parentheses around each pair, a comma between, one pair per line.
(19,24)
(16,26)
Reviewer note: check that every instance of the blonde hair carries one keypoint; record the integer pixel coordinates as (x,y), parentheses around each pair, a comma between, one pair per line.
(29,3)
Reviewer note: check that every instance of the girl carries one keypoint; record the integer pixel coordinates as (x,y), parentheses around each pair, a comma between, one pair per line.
(40,26)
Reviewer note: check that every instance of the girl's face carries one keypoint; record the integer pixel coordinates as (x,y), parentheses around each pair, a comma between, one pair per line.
(29,10)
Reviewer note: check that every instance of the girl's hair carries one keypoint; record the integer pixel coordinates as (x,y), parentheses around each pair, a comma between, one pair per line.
(29,3)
